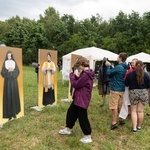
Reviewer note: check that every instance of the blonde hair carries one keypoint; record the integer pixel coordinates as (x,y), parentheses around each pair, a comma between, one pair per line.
(134,59)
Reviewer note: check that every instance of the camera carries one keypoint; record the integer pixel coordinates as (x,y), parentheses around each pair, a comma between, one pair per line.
(74,68)
(35,65)
(105,59)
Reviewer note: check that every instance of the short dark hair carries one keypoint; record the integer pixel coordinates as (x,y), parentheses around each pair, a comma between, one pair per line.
(82,61)
(123,56)
(49,54)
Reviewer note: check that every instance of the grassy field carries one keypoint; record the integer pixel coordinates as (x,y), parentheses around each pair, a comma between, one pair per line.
(39,130)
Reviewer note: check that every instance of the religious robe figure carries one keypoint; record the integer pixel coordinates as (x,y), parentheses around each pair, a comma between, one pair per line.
(48,70)
(11,99)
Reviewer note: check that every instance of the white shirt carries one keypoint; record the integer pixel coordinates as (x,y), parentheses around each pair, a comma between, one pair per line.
(9,64)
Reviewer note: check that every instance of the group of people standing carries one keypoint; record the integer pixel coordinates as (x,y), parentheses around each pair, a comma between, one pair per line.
(129,90)
(120,82)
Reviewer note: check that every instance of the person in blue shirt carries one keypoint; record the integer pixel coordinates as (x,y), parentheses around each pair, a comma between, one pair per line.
(117,87)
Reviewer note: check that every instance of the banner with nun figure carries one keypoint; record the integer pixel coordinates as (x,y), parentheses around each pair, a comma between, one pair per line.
(11,87)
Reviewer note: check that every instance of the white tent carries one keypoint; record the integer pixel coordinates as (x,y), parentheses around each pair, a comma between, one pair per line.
(91,53)
(144,57)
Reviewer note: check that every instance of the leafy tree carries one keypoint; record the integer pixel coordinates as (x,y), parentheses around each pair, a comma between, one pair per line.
(109,44)
(119,24)
(75,42)
(28,35)
(61,33)
(87,31)
(70,23)
(126,32)
(146,31)
(3,29)
(103,31)
(51,16)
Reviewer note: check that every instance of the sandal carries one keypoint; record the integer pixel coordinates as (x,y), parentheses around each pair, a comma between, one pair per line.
(114,126)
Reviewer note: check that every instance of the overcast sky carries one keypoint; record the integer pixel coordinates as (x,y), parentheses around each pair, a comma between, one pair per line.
(80,9)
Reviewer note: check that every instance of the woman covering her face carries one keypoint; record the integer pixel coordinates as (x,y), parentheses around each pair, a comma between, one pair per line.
(11,99)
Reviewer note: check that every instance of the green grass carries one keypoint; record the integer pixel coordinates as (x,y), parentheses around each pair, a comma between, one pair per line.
(39,130)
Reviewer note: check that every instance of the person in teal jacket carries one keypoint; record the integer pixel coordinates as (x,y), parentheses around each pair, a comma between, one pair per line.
(117,87)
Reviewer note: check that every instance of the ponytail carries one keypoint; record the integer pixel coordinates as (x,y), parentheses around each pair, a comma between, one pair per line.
(139,72)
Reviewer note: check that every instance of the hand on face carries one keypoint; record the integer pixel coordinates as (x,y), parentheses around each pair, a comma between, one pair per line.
(76,72)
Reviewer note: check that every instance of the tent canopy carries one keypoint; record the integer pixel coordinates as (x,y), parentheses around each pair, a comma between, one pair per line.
(91,53)
(144,57)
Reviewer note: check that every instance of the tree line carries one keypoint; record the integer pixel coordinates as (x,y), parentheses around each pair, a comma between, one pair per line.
(126,32)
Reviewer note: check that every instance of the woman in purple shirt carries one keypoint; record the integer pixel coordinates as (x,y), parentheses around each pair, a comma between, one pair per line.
(82,84)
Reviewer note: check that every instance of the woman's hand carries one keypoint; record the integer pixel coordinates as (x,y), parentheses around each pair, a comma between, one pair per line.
(76,72)
(107,63)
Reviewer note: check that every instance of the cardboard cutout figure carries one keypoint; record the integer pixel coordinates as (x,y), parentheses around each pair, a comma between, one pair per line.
(74,58)
(11,99)
(47,78)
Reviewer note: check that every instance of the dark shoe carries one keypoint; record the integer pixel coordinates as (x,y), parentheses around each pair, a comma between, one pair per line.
(148,114)
(129,116)
(102,104)
(114,126)
(121,122)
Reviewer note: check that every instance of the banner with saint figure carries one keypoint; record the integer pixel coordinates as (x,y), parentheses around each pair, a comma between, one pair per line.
(11,87)
(74,59)
(47,86)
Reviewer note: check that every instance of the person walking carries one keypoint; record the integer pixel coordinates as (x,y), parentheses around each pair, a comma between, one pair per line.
(138,82)
(83,85)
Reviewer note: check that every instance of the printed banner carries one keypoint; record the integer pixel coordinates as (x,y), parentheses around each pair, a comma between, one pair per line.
(47,87)
(74,59)
(11,87)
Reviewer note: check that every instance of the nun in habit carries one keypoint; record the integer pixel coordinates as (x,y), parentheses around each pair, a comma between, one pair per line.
(48,70)
(11,99)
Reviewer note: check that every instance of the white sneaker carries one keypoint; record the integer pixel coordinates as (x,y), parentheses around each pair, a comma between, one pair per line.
(86,139)
(65,131)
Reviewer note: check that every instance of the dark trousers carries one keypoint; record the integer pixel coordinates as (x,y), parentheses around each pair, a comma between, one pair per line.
(75,112)
(48,97)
